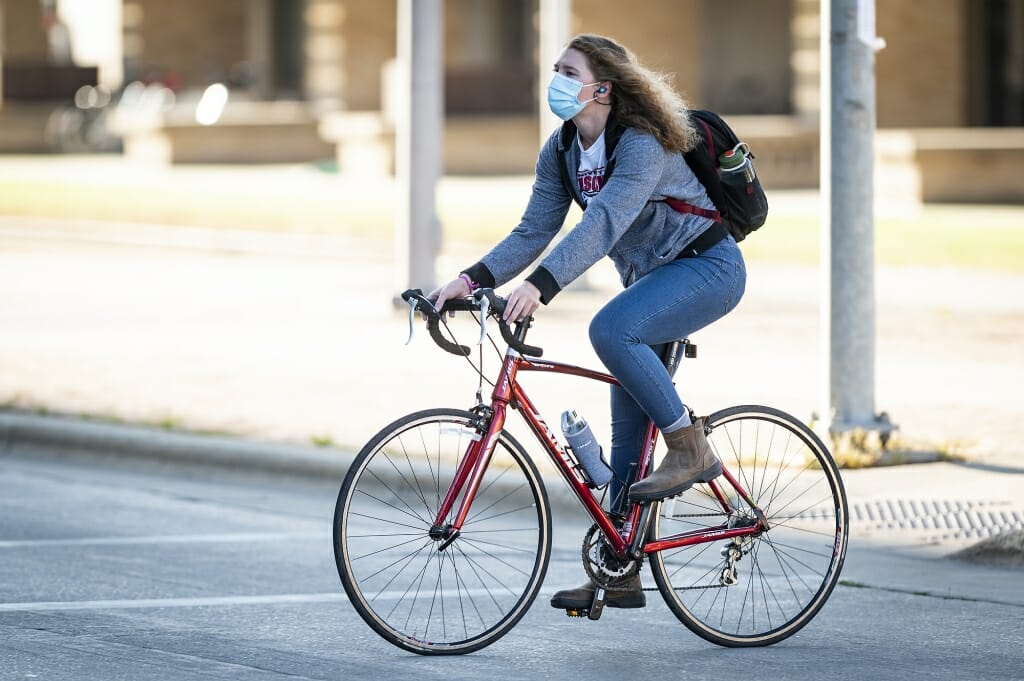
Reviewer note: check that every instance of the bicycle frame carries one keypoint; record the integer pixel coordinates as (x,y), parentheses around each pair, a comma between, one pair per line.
(629,541)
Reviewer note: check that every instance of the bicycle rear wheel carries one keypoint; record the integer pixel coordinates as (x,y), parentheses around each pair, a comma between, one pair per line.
(419,592)
(777,580)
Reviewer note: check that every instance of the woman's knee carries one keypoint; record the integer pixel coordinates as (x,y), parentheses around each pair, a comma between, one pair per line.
(605,334)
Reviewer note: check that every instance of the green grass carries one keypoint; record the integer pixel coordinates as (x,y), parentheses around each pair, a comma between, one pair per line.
(964,236)
(982,237)
(205,207)
(979,238)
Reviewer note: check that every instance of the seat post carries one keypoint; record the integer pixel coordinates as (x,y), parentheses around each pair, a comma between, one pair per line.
(671,355)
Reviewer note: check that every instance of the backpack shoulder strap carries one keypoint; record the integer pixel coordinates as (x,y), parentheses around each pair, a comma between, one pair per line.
(567,136)
(712,124)
(612,133)
(684,207)
(703,160)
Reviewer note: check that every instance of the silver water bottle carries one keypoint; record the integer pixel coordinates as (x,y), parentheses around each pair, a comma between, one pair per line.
(735,166)
(588,451)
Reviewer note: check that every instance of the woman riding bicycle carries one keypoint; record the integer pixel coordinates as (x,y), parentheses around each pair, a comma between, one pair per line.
(623,141)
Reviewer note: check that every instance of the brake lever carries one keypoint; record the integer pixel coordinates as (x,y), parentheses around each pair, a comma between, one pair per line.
(485,306)
(412,317)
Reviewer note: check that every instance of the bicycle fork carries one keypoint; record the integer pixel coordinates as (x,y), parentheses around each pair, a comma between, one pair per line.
(468,476)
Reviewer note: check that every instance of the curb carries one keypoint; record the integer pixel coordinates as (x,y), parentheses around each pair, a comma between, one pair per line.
(142,443)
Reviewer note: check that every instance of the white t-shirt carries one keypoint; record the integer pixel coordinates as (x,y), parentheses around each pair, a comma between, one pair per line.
(590,175)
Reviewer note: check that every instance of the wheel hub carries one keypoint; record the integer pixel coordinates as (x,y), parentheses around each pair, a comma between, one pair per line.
(440,532)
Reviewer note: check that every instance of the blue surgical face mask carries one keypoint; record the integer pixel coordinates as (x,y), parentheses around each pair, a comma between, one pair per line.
(563,96)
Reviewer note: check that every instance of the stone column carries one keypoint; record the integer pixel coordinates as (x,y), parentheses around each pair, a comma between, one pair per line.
(259,49)
(21,34)
(1014,78)
(325,54)
(805,60)
(3,43)
(23,38)
(132,41)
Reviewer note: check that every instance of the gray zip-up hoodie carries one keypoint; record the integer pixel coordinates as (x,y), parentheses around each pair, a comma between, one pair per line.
(627,220)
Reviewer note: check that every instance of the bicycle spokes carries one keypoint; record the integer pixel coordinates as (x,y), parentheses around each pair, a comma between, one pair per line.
(781,524)
(423,585)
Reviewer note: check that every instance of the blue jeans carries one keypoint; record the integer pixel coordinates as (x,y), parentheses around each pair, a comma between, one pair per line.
(629,335)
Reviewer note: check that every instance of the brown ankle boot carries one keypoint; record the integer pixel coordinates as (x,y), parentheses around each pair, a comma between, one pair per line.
(689,460)
(582,596)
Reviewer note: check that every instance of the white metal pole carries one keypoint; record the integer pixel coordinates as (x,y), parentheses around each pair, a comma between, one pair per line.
(419,135)
(848,43)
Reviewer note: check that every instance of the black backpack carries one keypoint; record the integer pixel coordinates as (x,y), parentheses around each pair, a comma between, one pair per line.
(742,208)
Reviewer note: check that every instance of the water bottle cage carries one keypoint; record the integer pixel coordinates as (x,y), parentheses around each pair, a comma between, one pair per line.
(581,470)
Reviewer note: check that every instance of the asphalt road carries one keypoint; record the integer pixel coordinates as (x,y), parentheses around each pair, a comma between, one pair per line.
(110,570)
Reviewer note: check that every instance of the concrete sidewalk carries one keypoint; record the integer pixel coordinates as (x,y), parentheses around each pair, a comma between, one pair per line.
(293,337)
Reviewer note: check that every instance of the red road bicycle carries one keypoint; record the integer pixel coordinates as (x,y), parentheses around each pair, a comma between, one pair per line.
(442,529)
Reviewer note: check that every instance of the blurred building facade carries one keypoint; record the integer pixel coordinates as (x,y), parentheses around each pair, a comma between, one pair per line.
(310,78)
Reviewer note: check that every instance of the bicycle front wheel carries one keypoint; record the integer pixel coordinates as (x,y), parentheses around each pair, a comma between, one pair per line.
(759,589)
(422,593)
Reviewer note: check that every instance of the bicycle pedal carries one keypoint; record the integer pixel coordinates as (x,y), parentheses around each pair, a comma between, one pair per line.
(584,612)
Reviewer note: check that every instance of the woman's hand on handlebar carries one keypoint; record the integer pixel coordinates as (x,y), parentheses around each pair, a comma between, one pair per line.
(454,289)
(521,303)
(526,297)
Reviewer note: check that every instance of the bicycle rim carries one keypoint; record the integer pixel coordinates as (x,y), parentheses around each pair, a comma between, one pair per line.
(779,579)
(412,592)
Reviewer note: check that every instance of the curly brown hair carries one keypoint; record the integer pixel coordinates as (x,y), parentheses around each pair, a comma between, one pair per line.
(640,98)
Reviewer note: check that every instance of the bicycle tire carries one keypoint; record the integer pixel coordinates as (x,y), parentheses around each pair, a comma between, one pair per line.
(420,598)
(784,575)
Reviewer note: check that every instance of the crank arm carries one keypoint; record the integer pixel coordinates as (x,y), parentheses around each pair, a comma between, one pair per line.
(597,604)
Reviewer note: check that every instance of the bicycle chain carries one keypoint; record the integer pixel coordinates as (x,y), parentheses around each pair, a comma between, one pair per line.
(700,515)
(687,588)
(698,588)
(618,583)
